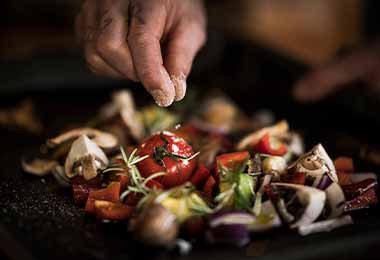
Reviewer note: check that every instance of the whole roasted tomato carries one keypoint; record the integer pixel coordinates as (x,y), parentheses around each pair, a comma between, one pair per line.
(167,153)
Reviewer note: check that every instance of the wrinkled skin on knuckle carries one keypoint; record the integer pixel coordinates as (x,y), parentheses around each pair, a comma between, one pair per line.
(107,47)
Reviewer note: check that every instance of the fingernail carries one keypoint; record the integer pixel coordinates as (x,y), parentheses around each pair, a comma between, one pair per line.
(162,99)
(180,86)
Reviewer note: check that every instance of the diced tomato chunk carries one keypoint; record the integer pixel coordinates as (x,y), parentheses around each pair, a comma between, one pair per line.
(111,210)
(270,145)
(200,175)
(209,187)
(344,164)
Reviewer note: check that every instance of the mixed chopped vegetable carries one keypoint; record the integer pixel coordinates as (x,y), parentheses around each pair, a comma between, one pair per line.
(215,177)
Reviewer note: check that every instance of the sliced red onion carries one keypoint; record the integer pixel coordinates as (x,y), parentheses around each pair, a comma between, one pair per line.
(324,182)
(325,225)
(336,200)
(313,200)
(231,218)
(230,227)
(236,234)
(59,174)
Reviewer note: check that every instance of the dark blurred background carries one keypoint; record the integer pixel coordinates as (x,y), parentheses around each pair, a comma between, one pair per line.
(38,49)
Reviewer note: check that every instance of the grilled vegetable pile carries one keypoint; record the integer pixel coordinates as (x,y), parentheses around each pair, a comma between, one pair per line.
(218,176)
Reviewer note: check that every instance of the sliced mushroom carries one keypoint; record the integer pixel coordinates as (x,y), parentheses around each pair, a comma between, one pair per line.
(123,105)
(102,139)
(315,163)
(39,167)
(311,198)
(325,225)
(155,225)
(85,159)
(251,139)
(60,176)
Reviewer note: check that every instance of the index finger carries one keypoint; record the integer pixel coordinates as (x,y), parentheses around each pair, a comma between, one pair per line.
(146,29)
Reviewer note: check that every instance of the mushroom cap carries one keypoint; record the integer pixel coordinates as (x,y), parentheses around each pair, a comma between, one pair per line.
(316,163)
(156,226)
(39,167)
(101,138)
(84,149)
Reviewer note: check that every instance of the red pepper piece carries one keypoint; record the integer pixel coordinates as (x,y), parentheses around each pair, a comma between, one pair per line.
(122,177)
(200,175)
(270,145)
(111,210)
(111,193)
(232,161)
(344,164)
(82,188)
(209,187)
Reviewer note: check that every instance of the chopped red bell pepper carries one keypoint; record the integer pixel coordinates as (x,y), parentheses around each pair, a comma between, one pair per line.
(209,187)
(112,210)
(200,175)
(111,193)
(270,145)
(82,188)
(232,161)
(121,177)
(344,164)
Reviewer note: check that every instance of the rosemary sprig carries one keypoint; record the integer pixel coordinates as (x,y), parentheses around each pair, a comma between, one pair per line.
(138,183)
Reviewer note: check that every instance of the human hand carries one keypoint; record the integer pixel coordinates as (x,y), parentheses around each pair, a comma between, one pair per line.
(364,64)
(152,41)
